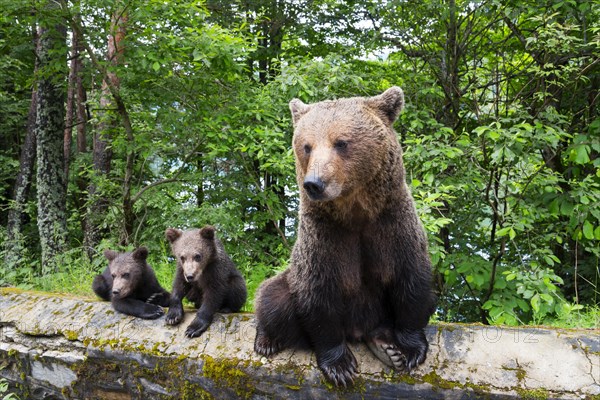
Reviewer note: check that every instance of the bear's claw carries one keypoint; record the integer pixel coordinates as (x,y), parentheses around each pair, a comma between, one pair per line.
(154,313)
(388,353)
(174,316)
(340,370)
(265,346)
(154,299)
(196,328)
(413,344)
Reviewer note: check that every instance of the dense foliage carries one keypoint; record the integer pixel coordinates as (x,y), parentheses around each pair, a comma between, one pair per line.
(184,122)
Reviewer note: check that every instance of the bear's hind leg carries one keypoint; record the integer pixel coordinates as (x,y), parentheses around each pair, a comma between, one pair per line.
(276,322)
(236,295)
(101,287)
(137,308)
(400,349)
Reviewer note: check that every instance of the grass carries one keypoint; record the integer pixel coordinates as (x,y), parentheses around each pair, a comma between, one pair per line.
(77,274)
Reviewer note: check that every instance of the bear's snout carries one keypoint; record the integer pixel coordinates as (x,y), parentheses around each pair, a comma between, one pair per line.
(314,186)
(116,292)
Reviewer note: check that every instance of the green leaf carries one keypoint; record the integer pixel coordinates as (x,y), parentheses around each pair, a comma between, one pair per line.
(588,230)
(581,154)
(547,298)
(535,303)
(156,66)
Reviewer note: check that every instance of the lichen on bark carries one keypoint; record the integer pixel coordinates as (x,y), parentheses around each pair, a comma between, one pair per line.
(49,129)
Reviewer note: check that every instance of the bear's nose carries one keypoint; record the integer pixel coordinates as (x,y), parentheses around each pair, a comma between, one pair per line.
(314,186)
(189,278)
(116,291)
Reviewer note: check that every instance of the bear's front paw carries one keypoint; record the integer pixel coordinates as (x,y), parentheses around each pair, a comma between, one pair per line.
(152,311)
(265,346)
(174,316)
(413,346)
(196,328)
(338,365)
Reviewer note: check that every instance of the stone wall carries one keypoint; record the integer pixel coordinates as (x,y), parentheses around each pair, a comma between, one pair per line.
(54,347)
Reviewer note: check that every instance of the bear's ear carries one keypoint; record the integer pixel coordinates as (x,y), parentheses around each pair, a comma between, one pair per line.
(110,254)
(141,253)
(389,104)
(298,109)
(208,232)
(172,234)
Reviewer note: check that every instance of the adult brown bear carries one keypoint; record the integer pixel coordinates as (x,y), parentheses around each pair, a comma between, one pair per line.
(360,269)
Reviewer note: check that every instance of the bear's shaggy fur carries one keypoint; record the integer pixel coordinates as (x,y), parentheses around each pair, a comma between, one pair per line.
(205,275)
(360,269)
(130,284)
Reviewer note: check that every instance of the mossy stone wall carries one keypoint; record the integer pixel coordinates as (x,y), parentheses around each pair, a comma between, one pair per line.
(54,347)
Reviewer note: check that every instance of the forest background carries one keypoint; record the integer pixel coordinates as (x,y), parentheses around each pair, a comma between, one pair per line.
(119,119)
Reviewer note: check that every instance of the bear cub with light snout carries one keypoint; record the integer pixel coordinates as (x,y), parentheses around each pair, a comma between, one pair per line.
(205,275)
(130,284)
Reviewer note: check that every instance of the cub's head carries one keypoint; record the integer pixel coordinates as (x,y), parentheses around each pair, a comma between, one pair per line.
(194,249)
(126,270)
(341,145)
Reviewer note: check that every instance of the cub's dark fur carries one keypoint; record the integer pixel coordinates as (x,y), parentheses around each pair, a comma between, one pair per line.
(130,284)
(205,275)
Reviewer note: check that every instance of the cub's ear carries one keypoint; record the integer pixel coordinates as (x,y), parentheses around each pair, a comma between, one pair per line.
(172,234)
(208,232)
(298,109)
(110,254)
(389,104)
(141,253)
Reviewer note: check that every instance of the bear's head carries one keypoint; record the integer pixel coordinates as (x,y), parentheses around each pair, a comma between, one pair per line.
(341,145)
(126,269)
(194,249)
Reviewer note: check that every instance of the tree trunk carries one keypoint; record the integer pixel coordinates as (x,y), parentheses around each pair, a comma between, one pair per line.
(49,130)
(102,154)
(15,243)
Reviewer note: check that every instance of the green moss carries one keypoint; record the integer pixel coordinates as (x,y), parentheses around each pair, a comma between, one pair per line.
(226,373)
(70,335)
(358,386)
(532,394)
(436,381)
(520,373)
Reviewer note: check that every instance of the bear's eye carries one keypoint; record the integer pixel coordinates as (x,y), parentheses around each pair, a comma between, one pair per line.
(125,275)
(198,257)
(340,144)
(307,148)
(113,275)
(182,259)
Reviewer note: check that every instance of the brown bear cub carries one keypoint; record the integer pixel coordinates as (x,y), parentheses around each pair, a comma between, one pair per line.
(359,270)
(130,284)
(206,276)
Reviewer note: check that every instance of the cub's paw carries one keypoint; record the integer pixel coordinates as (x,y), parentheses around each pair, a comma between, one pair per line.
(174,316)
(152,311)
(265,346)
(413,345)
(196,328)
(338,365)
(157,298)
